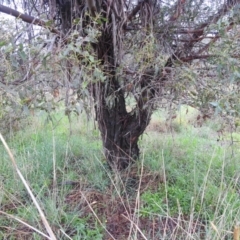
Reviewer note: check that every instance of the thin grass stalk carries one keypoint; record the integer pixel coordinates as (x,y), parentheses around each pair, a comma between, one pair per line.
(54,167)
(44,220)
(62,231)
(137,202)
(166,193)
(24,223)
(136,226)
(94,213)
(118,193)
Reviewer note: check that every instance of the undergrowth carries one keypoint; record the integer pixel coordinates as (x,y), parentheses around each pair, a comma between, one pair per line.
(185,186)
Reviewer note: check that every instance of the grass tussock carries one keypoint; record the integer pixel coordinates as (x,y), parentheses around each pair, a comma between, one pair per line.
(185,186)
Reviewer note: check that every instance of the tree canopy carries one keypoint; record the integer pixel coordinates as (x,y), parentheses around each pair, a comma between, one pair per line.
(153,53)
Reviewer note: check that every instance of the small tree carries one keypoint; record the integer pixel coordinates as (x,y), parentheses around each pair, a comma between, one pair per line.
(139,49)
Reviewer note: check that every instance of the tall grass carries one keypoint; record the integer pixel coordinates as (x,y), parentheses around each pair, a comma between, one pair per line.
(185,186)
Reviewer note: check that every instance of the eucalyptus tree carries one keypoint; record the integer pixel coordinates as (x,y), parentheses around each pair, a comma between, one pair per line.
(140,50)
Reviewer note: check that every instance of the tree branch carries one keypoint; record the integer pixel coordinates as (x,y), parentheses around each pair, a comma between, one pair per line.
(199,31)
(179,9)
(195,57)
(27,18)
(135,10)
(230,26)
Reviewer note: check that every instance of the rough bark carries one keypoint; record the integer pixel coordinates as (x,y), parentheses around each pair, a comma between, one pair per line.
(120,130)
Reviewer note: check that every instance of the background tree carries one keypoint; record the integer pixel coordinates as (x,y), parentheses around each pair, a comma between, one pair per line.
(148,51)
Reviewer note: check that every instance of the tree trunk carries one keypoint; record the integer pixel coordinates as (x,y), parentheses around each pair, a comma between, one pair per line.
(119,129)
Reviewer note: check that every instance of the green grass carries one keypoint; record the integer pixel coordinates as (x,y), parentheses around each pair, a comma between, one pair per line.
(202,179)
(185,177)
(35,148)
